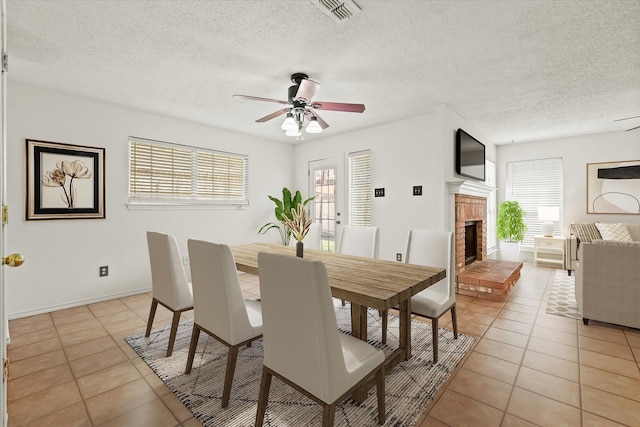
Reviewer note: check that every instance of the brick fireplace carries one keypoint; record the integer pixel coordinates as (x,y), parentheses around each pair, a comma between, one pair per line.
(478,277)
(472,210)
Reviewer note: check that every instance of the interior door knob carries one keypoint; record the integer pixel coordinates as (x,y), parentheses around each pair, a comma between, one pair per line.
(13,260)
(337,221)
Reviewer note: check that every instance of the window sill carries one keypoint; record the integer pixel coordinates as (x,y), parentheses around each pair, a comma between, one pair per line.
(144,206)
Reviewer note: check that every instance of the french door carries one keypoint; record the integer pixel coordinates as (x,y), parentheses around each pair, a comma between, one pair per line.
(325,182)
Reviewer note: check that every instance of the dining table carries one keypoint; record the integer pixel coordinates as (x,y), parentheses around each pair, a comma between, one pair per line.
(364,282)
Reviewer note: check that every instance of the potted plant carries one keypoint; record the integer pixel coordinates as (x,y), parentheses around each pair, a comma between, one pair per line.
(283,210)
(299,226)
(511,229)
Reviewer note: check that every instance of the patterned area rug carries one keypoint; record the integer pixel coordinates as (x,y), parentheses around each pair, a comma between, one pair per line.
(562,300)
(409,387)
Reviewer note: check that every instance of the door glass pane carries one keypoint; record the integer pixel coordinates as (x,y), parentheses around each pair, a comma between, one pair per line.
(325,206)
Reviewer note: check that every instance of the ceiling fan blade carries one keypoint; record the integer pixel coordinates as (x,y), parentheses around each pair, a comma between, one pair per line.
(321,122)
(338,106)
(273,115)
(626,118)
(257,98)
(306,90)
(637,127)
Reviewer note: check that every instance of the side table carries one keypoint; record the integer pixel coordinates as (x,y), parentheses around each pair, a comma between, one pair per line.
(549,251)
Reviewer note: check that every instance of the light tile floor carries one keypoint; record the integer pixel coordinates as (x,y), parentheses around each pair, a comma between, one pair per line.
(73,368)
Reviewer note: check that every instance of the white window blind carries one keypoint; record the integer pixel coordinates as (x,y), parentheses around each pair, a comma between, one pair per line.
(491,205)
(165,173)
(536,183)
(360,188)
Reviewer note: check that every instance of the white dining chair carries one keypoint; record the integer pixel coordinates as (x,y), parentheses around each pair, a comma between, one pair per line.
(313,239)
(310,354)
(219,309)
(171,288)
(435,249)
(359,241)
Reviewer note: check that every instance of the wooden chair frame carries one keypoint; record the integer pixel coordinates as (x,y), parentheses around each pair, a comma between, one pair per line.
(174,323)
(232,357)
(328,409)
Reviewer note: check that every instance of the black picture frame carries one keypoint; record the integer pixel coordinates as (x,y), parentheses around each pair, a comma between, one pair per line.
(64,181)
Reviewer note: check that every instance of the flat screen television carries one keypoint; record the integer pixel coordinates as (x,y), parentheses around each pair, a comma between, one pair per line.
(469,156)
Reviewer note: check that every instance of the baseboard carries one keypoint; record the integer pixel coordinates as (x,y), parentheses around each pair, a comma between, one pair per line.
(76,304)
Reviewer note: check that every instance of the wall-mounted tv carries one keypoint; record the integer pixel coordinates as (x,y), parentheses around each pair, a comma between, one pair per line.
(469,156)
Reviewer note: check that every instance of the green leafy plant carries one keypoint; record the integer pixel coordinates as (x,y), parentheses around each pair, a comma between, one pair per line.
(283,210)
(510,225)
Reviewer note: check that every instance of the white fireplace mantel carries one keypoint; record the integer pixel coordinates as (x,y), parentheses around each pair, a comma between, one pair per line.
(469,188)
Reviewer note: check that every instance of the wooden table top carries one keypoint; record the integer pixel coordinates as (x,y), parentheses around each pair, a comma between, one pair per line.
(375,283)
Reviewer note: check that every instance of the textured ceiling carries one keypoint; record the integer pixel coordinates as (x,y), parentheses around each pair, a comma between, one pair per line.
(515,70)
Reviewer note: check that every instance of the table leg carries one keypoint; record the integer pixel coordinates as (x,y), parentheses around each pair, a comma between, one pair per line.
(359,321)
(405,328)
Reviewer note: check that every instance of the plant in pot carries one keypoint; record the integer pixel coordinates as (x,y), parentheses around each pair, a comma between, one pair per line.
(511,229)
(299,227)
(283,210)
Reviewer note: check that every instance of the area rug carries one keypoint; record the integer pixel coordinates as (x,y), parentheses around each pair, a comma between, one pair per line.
(409,387)
(562,300)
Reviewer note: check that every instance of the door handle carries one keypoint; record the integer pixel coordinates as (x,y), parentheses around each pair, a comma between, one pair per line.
(13,260)
(337,221)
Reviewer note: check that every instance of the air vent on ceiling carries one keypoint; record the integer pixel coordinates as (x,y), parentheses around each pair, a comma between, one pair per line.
(338,10)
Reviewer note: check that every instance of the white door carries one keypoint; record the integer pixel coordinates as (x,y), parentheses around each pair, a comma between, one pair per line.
(3,306)
(326,183)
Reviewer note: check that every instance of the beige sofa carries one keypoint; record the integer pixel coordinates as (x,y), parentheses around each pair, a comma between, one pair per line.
(607,282)
(585,232)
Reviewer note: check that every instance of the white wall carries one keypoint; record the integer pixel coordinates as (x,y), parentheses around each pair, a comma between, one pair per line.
(575,152)
(63,256)
(414,151)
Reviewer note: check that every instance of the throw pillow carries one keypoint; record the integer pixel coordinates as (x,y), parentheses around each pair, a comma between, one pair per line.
(617,231)
(634,230)
(585,232)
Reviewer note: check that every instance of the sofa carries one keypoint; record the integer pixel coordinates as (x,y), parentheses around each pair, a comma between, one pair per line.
(586,232)
(607,282)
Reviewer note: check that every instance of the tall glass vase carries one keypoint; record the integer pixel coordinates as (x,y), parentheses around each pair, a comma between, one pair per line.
(300,249)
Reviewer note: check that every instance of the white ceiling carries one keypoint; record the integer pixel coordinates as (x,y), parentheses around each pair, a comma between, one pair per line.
(514,70)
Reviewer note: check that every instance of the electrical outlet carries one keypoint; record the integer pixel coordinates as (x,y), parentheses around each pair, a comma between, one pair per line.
(185,260)
(399,257)
(104,270)
(417,190)
(379,192)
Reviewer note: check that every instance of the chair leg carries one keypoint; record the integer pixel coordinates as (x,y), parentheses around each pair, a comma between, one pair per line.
(328,414)
(263,396)
(152,315)
(195,334)
(385,320)
(454,320)
(434,327)
(380,395)
(228,377)
(174,331)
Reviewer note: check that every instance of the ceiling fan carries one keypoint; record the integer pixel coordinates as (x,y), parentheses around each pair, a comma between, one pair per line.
(301,107)
(627,118)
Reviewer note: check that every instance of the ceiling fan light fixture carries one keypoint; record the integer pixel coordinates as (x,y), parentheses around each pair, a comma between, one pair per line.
(289,123)
(313,126)
(293,132)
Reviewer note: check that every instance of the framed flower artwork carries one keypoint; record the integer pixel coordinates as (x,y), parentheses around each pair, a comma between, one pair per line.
(64,181)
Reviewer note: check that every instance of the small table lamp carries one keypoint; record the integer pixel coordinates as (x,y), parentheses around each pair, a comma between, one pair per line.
(548,214)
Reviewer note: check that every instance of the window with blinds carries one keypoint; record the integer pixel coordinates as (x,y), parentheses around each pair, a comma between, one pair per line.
(360,188)
(534,184)
(492,209)
(163,173)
